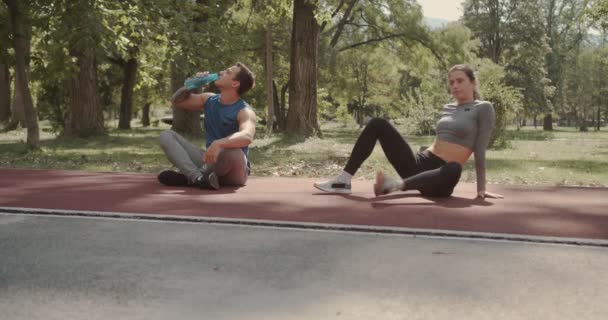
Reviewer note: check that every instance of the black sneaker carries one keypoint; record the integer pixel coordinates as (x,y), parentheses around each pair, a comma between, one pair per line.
(172,178)
(207,181)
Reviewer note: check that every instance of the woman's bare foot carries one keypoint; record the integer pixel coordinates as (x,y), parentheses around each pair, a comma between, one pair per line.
(385,185)
(379,182)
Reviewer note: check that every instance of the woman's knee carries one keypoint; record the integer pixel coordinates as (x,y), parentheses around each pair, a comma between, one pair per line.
(438,192)
(452,171)
(378,123)
(450,175)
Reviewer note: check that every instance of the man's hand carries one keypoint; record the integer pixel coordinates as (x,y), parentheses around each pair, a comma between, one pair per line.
(202,74)
(212,152)
(486,194)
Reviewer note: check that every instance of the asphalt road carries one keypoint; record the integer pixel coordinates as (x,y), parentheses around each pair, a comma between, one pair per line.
(96,268)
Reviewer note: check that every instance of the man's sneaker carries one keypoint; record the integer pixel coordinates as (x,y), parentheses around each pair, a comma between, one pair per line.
(207,181)
(172,178)
(333,186)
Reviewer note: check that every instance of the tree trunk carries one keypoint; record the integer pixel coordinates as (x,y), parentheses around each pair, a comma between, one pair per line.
(185,122)
(145,115)
(279,107)
(126,99)
(21,28)
(582,121)
(599,119)
(5,93)
(269,76)
(86,116)
(17,111)
(284,105)
(302,114)
(548,122)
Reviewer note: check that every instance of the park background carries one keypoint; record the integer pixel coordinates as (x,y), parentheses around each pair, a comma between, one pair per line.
(84,84)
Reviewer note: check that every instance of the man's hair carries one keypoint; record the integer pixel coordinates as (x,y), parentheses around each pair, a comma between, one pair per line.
(245,77)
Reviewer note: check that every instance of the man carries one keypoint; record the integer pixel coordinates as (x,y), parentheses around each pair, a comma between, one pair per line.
(229,126)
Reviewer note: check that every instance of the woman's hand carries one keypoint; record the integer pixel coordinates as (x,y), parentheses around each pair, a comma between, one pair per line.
(486,194)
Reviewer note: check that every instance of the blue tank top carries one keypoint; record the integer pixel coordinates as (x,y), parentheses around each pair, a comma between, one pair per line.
(221,120)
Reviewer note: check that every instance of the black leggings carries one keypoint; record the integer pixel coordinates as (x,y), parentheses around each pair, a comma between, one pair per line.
(423,171)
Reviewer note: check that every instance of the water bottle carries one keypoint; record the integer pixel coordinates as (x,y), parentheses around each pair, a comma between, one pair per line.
(197,82)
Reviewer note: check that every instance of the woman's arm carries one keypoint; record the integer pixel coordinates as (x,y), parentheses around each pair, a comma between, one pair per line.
(485,125)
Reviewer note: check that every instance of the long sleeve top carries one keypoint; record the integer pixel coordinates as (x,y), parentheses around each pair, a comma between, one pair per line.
(469,125)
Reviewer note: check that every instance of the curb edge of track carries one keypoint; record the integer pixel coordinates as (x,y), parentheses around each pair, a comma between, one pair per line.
(387,230)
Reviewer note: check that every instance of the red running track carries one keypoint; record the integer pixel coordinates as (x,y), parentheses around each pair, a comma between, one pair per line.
(527,210)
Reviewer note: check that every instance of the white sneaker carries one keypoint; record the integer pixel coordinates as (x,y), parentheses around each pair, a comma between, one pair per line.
(334,186)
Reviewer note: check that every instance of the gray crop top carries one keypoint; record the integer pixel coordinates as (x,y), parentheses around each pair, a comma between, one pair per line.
(469,125)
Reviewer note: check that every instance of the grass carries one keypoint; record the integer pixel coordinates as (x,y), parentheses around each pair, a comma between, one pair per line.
(561,157)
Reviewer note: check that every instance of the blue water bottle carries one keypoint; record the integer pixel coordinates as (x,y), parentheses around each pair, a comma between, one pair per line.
(197,82)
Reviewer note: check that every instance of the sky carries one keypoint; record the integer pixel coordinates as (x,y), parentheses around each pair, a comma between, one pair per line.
(444,9)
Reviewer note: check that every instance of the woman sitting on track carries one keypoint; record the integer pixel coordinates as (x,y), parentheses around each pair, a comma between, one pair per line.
(464,128)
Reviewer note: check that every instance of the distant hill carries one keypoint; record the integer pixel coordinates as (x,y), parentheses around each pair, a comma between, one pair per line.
(435,23)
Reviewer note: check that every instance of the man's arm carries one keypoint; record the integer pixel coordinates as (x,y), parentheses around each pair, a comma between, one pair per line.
(184,99)
(239,139)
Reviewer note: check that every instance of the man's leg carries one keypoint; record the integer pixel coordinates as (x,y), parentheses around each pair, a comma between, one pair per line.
(184,155)
(231,167)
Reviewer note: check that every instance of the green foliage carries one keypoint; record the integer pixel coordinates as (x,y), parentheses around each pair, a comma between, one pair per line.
(507,100)
(376,60)
(52,104)
(598,13)
(526,67)
(488,20)
(5,43)
(422,106)
(204,34)
(456,44)
(586,86)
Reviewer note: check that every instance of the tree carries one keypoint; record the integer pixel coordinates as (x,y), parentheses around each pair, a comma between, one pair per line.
(585,92)
(264,23)
(566,27)
(598,12)
(489,20)
(21,32)
(5,93)
(358,41)
(5,80)
(302,114)
(525,64)
(152,77)
(507,100)
(129,24)
(85,114)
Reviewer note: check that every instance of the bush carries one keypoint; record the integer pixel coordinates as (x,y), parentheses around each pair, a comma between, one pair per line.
(507,100)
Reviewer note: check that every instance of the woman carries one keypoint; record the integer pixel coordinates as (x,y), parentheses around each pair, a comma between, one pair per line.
(464,128)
